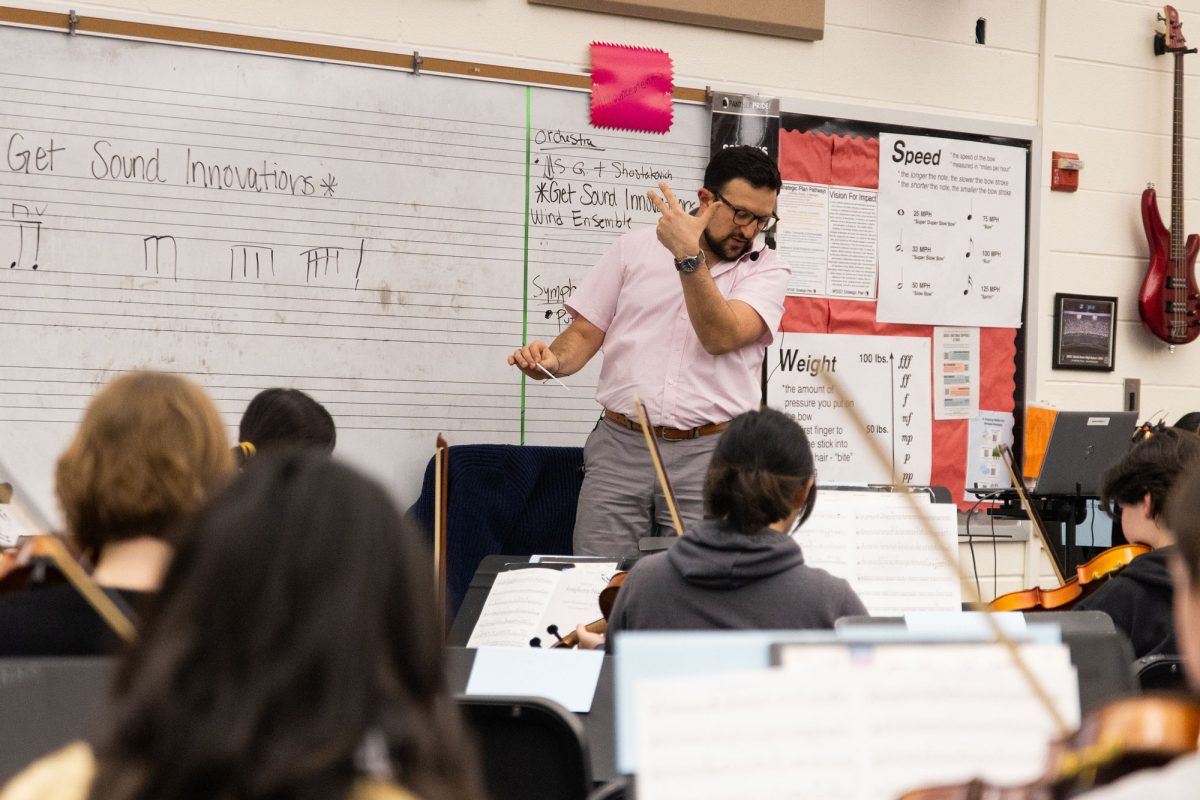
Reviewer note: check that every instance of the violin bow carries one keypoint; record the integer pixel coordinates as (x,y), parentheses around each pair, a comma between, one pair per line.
(1006,455)
(948,557)
(53,546)
(87,587)
(659,469)
(441,506)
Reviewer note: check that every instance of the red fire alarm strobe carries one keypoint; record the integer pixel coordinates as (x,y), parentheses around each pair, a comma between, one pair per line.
(1064,171)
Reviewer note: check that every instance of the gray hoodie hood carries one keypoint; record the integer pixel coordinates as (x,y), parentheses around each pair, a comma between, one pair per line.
(715,557)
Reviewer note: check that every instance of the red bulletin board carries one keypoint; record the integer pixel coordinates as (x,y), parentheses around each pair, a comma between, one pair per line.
(818,156)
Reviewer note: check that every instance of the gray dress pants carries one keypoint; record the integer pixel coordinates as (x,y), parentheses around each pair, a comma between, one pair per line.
(621,502)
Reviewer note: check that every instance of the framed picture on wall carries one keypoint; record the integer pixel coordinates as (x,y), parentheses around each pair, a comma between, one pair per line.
(1085,332)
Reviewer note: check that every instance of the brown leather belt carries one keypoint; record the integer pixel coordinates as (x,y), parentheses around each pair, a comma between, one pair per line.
(669,434)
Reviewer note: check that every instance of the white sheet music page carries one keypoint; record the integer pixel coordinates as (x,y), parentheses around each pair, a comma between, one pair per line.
(899,568)
(524,604)
(877,542)
(11,527)
(854,723)
(513,608)
(576,599)
(827,537)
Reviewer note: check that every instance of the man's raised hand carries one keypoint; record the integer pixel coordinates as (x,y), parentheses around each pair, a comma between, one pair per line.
(679,231)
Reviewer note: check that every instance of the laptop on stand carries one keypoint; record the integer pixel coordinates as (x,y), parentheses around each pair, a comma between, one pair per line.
(1082,446)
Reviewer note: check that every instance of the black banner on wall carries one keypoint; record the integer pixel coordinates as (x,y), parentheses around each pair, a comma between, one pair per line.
(745,119)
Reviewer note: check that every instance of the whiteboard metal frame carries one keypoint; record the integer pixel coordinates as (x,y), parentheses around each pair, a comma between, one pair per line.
(300,48)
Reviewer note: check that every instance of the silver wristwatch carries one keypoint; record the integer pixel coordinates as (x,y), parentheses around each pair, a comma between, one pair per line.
(691,263)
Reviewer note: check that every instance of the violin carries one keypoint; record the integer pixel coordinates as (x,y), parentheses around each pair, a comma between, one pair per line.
(608,598)
(608,595)
(1118,738)
(1088,576)
(27,565)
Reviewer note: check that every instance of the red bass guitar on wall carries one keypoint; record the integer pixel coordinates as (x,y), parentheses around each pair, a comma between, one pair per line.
(1169,297)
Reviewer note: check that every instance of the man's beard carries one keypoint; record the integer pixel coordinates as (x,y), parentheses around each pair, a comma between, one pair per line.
(722,247)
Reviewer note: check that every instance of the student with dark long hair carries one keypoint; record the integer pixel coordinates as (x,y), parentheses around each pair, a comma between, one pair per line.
(291,654)
(739,567)
(279,418)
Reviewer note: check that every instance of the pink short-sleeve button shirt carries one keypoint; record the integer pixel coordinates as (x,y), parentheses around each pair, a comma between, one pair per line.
(633,294)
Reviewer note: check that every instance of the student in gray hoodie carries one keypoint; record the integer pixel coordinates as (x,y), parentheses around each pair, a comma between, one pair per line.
(739,568)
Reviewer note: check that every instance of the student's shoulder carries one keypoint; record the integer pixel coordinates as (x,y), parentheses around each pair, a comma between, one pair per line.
(836,592)
(39,607)
(819,576)
(373,789)
(63,775)
(647,567)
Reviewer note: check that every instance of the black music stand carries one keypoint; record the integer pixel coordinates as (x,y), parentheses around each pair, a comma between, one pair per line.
(1083,444)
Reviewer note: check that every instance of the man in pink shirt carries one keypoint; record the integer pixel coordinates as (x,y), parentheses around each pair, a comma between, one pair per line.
(684,313)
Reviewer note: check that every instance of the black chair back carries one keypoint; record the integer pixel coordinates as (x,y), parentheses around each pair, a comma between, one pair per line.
(48,702)
(530,748)
(1160,674)
(516,500)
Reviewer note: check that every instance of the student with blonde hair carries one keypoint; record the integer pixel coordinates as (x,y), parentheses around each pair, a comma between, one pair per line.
(150,449)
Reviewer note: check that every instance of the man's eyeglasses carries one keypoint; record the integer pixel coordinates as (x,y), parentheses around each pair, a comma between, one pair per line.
(743,217)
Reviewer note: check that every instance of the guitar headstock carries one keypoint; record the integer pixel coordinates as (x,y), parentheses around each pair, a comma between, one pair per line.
(1173,33)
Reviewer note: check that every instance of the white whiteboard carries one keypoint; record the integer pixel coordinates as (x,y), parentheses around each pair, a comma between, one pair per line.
(356,233)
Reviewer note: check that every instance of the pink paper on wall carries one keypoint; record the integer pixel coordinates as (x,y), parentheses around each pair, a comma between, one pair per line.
(631,88)
(855,162)
(805,156)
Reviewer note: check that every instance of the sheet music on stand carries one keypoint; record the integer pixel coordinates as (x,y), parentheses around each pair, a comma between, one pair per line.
(876,541)
(529,603)
(19,515)
(858,722)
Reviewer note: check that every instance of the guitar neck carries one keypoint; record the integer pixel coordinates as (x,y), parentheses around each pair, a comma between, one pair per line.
(1177,230)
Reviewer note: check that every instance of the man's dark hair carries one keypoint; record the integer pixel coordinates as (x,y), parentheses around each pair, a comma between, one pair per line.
(742,161)
(295,625)
(286,417)
(762,460)
(1151,467)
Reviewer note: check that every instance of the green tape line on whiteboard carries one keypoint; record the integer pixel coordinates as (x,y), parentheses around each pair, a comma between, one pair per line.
(525,270)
